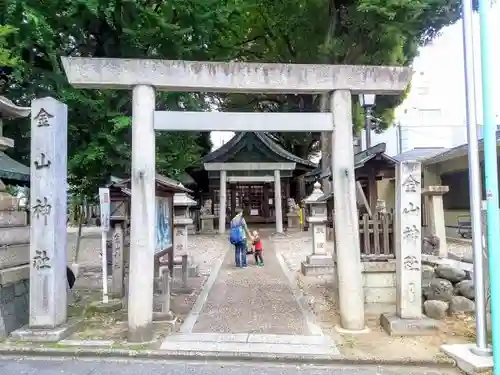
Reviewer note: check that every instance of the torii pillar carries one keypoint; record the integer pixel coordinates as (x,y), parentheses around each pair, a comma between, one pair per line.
(145,77)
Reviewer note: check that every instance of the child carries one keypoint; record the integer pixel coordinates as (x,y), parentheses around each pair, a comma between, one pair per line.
(257,245)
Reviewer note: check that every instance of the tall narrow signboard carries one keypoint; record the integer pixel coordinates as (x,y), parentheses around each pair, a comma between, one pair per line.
(105,207)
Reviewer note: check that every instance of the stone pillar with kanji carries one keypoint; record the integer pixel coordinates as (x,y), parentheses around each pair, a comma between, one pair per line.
(409,319)
(319,262)
(48,245)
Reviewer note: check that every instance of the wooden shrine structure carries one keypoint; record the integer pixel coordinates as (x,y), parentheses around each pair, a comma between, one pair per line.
(253,165)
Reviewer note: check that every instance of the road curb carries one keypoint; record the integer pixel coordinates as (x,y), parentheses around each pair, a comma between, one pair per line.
(113,353)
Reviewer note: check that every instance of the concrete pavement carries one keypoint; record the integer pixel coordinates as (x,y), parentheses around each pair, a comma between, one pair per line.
(14,366)
(251,311)
(252,300)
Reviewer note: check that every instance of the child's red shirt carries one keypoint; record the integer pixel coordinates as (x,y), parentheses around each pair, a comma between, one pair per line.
(258,244)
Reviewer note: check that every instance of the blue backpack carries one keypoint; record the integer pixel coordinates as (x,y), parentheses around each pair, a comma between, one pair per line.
(236,236)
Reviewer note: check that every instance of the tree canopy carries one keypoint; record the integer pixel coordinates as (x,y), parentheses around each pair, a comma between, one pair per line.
(375,32)
(358,32)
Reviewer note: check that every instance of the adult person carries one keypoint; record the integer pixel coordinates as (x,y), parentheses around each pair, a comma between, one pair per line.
(238,237)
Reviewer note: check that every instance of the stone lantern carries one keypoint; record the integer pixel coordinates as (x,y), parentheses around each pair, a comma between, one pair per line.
(207,217)
(182,220)
(185,266)
(319,262)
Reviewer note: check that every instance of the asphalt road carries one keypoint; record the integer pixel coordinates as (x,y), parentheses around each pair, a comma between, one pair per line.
(10,366)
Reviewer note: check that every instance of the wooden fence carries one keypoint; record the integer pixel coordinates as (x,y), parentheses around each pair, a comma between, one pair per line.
(376,237)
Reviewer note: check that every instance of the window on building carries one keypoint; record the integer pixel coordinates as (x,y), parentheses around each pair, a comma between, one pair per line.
(458,196)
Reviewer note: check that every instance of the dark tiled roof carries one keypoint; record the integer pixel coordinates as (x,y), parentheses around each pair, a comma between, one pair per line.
(419,153)
(266,140)
(359,160)
(456,152)
(13,170)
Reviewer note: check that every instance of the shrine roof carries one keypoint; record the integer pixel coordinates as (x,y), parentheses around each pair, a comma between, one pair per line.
(457,151)
(360,159)
(163,182)
(420,153)
(11,169)
(8,110)
(233,146)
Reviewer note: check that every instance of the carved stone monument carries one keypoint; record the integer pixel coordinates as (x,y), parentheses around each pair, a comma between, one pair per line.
(118,261)
(433,196)
(409,319)
(293,215)
(48,283)
(319,262)
(207,217)
(14,240)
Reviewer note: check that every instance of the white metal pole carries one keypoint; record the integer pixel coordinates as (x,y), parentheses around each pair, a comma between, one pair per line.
(474,180)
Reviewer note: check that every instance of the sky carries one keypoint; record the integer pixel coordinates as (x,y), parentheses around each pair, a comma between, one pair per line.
(442,63)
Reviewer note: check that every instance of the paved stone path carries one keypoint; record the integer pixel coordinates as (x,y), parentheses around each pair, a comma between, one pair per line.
(252,300)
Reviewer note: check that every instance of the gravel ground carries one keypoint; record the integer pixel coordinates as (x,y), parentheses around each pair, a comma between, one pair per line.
(376,344)
(297,246)
(204,249)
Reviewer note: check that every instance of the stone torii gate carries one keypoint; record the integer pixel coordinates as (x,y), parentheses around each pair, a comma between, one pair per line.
(144,77)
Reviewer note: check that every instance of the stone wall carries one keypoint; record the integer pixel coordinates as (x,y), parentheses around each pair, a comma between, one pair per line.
(379,286)
(446,289)
(14,306)
(14,265)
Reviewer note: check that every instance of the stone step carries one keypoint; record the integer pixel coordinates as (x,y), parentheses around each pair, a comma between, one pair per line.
(252,338)
(14,255)
(12,218)
(253,344)
(14,235)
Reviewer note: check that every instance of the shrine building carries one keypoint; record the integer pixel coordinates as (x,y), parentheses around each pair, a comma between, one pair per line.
(253,172)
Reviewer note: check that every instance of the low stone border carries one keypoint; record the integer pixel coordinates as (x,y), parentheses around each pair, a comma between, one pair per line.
(111,353)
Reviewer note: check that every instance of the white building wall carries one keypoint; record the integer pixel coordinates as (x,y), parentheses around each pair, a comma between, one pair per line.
(421,121)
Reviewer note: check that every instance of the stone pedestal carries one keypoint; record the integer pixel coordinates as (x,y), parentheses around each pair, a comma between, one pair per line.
(433,196)
(181,235)
(319,262)
(207,223)
(409,319)
(293,221)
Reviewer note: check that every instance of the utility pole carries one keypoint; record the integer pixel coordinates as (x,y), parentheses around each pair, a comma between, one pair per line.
(481,347)
(400,137)
(488,41)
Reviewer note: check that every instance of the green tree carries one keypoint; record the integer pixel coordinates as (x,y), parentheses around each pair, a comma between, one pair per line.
(6,57)
(99,120)
(361,32)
